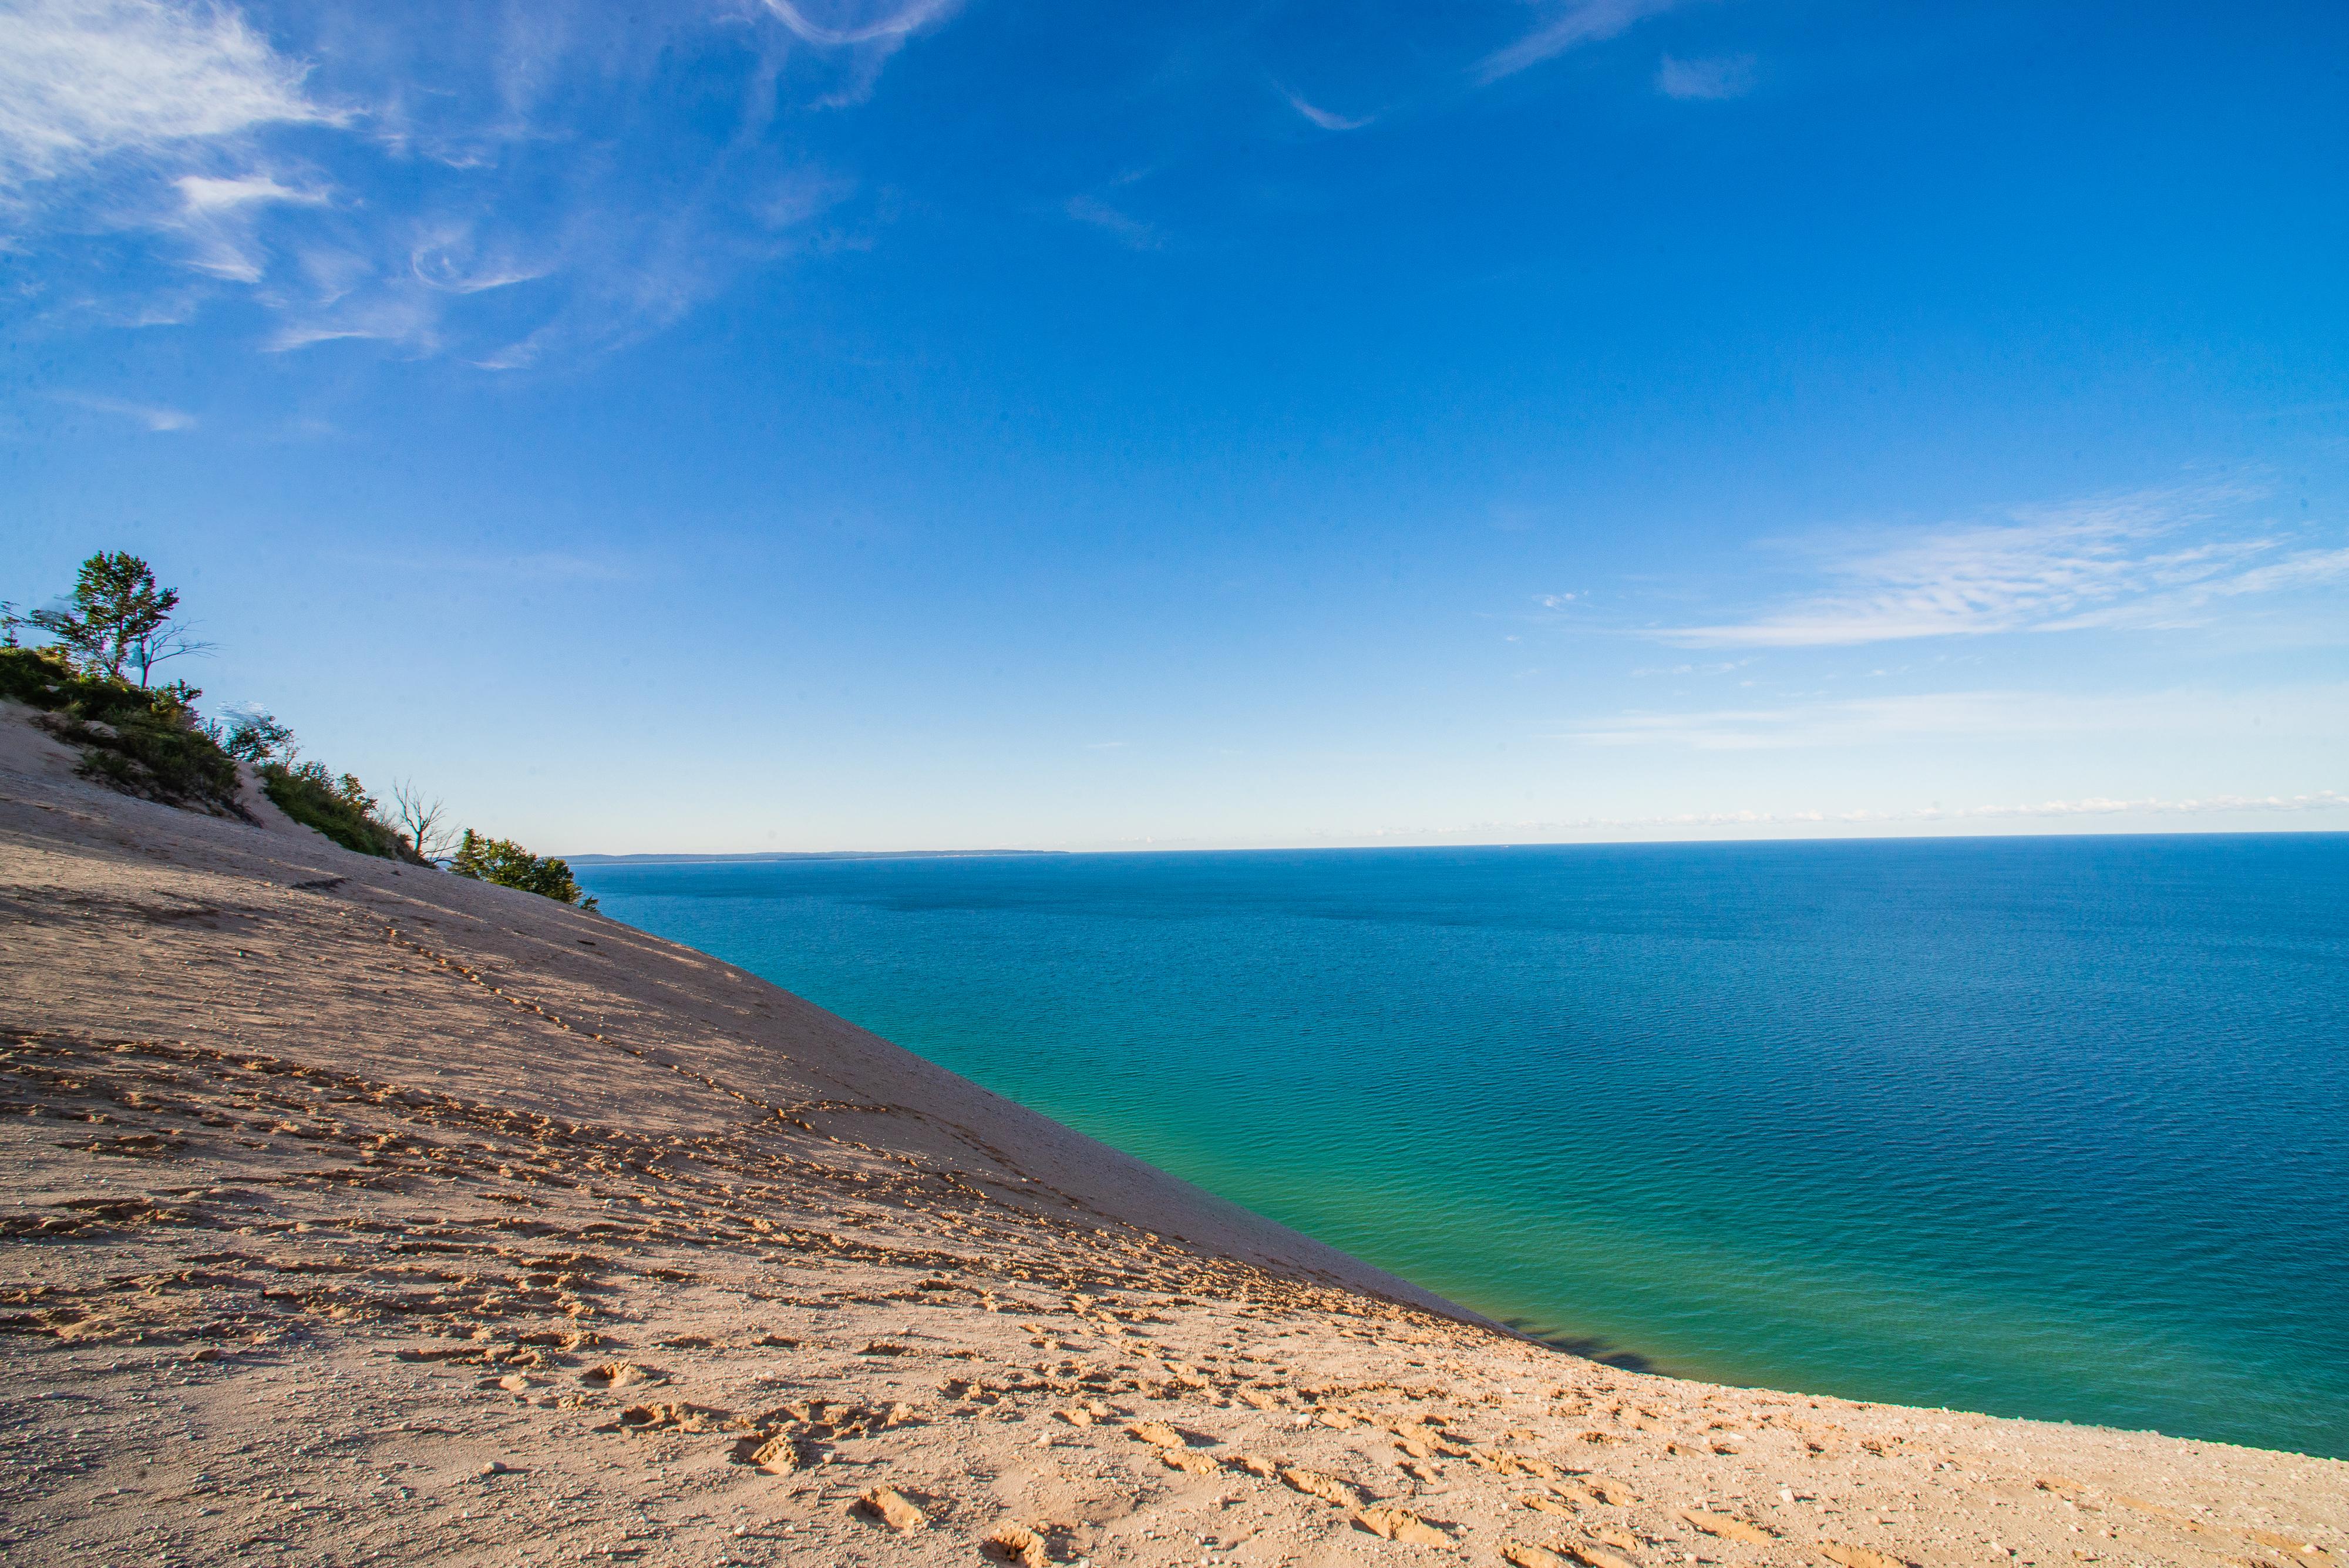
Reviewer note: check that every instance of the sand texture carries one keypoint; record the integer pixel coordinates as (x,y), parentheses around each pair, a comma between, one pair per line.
(360,1214)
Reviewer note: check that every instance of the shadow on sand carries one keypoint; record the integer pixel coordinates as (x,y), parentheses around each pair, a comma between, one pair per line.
(1584,1345)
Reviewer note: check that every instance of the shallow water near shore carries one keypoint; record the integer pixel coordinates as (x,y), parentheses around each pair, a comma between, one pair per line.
(2047,1128)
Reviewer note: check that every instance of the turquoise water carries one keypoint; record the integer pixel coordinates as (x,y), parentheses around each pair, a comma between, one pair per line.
(2051,1127)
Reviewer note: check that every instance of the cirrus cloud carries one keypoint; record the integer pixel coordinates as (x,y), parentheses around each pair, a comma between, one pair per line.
(392,175)
(1731,77)
(85,80)
(1569,26)
(2151,559)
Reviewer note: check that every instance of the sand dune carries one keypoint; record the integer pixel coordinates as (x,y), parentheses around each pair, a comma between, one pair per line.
(359,1213)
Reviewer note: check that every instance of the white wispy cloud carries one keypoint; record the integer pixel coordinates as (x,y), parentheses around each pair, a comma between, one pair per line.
(1323,117)
(529,566)
(452,259)
(2155,805)
(1846,822)
(1127,230)
(83,80)
(2156,558)
(1567,24)
(371,174)
(207,193)
(863,23)
(1722,666)
(1723,78)
(1828,723)
(2323,800)
(408,318)
(156,417)
(220,217)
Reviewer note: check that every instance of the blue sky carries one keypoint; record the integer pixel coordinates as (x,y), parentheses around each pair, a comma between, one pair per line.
(740,424)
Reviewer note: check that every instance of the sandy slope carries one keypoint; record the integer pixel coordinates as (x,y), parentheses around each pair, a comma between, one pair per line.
(357,1213)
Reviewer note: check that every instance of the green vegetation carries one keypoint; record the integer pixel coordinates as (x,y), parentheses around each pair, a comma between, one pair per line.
(509,865)
(340,809)
(142,742)
(150,741)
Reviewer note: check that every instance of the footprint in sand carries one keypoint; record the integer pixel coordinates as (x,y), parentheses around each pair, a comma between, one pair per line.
(1727,1528)
(887,1505)
(667,1417)
(1400,1524)
(777,1453)
(1594,1556)
(622,1374)
(1329,1488)
(1014,1543)
(1858,1557)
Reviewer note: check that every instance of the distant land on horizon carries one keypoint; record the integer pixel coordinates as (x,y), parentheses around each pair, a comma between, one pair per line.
(656,857)
(807,855)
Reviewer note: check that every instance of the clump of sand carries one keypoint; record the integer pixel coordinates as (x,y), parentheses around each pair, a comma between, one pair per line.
(359,1213)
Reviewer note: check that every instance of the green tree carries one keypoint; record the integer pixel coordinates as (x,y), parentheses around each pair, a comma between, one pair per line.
(118,617)
(253,736)
(509,865)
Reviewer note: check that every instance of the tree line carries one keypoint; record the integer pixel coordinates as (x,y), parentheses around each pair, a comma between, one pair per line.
(92,683)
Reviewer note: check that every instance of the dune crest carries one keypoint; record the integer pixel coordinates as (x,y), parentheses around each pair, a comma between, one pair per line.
(357,1211)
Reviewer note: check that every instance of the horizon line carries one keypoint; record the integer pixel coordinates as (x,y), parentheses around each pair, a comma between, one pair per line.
(647,857)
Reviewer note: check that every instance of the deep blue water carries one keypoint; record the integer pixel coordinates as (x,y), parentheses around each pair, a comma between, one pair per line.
(2054,1128)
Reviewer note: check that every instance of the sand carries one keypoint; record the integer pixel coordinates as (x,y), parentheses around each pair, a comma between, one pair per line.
(357,1213)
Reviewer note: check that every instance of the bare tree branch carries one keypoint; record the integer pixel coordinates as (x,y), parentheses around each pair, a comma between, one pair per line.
(150,648)
(425,821)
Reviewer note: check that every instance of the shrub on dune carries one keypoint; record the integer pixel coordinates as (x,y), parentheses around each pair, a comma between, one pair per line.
(509,865)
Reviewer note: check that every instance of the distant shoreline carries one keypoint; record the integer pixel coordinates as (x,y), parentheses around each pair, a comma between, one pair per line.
(814,855)
(1498,844)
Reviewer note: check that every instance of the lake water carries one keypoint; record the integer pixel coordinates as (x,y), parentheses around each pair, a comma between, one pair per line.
(2051,1128)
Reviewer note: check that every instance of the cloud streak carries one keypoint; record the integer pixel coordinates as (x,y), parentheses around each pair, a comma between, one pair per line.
(84,81)
(2116,562)
(1569,26)
(1945,716)
(1127,230)
(396,176)
(2278,810)
(1324,117)
(891,26)
(153,416)
(2086,806)
(1727,77)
